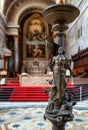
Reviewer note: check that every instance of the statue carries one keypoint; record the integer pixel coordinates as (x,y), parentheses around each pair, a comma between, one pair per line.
(59,108)
(60,64)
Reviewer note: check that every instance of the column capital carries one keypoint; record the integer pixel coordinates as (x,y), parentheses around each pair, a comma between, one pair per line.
(16,38)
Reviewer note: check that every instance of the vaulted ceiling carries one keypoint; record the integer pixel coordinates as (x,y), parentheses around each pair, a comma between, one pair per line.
(9,3)
(16,10)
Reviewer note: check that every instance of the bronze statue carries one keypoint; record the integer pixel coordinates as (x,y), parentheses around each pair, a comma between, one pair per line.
(59,108)
(59,64)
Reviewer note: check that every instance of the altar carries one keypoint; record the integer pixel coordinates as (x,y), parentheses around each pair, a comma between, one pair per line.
(35,79)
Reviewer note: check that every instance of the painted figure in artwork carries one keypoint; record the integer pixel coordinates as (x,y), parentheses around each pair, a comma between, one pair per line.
(35,37)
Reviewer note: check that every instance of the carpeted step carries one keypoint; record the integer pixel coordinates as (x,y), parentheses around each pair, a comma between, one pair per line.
(19,93)
(29,93)
(29,99)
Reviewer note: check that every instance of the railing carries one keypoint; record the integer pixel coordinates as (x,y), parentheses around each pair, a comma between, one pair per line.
(80,92)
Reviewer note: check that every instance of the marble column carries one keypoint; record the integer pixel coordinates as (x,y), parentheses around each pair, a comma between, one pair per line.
(16,51)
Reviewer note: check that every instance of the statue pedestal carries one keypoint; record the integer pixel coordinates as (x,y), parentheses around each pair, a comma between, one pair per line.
(58,128)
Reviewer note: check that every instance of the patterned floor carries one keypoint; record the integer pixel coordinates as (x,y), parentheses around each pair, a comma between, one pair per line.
(29,116)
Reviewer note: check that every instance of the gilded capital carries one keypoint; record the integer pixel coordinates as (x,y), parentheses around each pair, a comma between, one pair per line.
(16,38)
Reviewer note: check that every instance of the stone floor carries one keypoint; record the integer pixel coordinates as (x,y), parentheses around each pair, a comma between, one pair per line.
(29,116)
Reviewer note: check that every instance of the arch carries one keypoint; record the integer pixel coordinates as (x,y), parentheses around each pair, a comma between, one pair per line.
(6,5)
(17,9)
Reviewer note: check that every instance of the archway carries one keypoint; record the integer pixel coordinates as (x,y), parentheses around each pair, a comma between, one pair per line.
(18,16)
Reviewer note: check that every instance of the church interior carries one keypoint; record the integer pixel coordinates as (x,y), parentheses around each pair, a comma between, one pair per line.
(27,46)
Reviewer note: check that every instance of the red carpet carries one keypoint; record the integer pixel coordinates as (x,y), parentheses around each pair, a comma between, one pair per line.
(70,85)
(13,92)
(27,93)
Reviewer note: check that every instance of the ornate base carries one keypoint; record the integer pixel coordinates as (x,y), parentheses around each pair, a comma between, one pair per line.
(58,128)
(59,117)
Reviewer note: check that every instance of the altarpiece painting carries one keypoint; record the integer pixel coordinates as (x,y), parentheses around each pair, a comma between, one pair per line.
(34,37)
